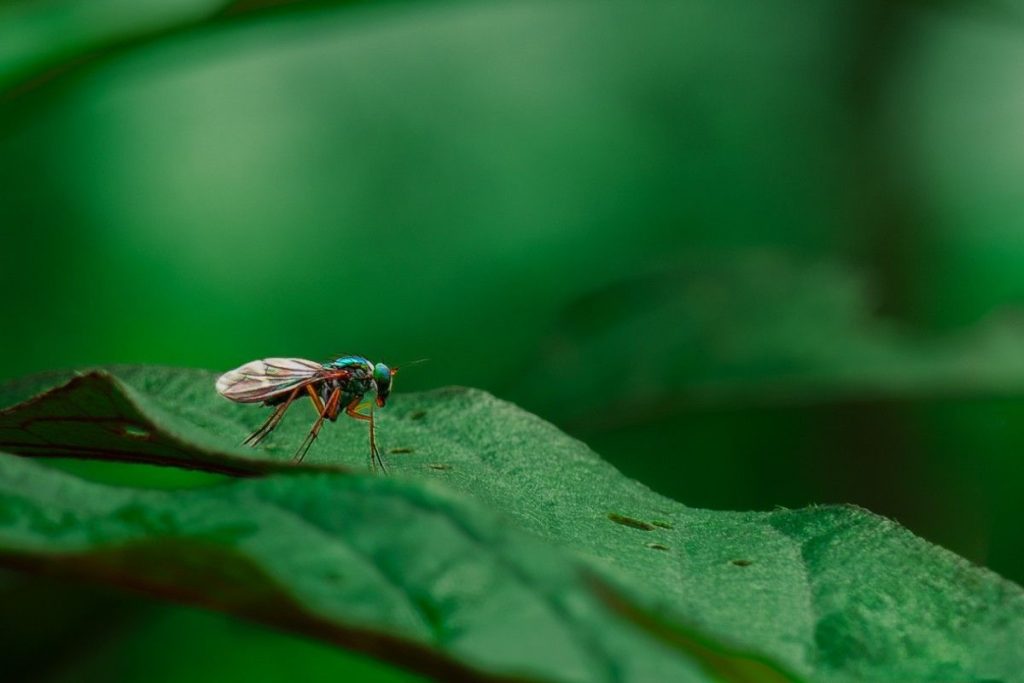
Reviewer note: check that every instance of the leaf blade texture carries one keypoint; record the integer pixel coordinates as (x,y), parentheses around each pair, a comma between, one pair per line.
(637,584)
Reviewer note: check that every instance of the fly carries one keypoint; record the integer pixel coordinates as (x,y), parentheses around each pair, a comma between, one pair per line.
(336,386)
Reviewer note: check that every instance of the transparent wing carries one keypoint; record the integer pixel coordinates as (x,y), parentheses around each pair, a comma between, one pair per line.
(262,379)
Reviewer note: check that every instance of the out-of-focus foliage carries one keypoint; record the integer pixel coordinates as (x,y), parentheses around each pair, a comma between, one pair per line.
(490,183)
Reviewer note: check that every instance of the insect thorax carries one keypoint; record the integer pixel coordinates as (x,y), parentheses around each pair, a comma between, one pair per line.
(358,384)
(351,389)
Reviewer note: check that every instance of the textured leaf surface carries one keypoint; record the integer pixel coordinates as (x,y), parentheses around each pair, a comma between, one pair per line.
(390,567)
(500,507)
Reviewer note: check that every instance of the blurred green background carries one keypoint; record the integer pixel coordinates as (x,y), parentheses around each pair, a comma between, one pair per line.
(755,254)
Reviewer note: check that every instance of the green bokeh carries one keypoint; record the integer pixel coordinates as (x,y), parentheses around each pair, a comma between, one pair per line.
(207,183)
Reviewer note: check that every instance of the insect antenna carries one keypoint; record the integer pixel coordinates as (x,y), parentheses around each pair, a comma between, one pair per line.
(408,363)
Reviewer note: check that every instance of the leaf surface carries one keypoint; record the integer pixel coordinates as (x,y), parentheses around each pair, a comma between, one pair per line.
(495,531)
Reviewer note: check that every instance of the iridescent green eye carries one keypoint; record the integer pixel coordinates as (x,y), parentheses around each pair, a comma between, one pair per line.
(382,373)
(382,378)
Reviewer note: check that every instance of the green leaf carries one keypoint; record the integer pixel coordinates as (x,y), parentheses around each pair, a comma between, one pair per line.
(500,545)
(756,328)
(60,35)
(37,35)
(103,635)
(397,569)
(97,415)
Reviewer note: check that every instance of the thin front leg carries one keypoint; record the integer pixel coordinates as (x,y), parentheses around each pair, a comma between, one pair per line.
(332,402)
(375,458)
(271,424)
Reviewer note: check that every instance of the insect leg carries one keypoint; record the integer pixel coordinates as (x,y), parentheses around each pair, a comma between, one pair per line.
(332,401)
(271,423)
(351,411)
(375,458)
(260,433)
(317,403)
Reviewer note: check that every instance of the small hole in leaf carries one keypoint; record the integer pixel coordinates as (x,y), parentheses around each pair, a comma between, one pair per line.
(418,415)
(439,466)
(630,522)
(662,525)
(133,431)
(657,546)
(400,450)
(742,563)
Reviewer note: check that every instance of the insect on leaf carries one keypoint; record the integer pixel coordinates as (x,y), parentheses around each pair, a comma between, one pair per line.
(593,576)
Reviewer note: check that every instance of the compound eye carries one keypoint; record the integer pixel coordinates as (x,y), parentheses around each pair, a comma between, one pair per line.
(382,374)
